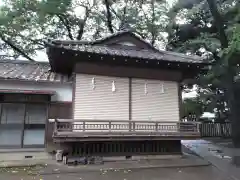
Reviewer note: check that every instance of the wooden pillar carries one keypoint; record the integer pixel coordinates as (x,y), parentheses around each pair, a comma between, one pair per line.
(180,101)
(130,98)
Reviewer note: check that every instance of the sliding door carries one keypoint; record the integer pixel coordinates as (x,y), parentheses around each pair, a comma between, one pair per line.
(12,122)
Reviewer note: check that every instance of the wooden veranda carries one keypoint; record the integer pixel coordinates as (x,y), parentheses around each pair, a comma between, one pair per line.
(69,130)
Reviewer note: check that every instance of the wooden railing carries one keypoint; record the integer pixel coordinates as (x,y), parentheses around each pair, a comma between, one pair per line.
(108,127)
(210,129)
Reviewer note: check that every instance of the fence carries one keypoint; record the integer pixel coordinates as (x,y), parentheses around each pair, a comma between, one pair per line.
(215,130)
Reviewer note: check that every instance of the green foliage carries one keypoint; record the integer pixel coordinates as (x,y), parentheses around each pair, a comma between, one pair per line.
(26,23)
(200,36)
(234,45)
(192,109)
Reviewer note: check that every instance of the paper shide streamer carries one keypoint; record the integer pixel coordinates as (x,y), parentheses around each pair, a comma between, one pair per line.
(162,88)
(113,87)
(145,88)
(93,83)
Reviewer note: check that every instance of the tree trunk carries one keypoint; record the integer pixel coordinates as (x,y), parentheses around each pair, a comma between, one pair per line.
(229,78)
(235,123)
(109,16)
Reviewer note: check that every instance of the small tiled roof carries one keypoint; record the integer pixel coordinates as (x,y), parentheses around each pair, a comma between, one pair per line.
(29,71)
(99,47)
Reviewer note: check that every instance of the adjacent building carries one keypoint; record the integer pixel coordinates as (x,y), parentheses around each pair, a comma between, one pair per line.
(30,94)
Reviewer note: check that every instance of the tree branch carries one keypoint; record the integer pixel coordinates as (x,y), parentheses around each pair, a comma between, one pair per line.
(35,41)
(109,16)
(82,24)
(123,19)
(103,19)
(115,13)
(15,48)
(219,23)
(65,22)
(152,23)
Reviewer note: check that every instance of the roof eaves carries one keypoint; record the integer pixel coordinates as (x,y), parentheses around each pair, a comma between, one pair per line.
(165,55)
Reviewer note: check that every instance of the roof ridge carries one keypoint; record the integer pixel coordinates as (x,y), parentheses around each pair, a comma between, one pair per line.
(96,41)
(23,62)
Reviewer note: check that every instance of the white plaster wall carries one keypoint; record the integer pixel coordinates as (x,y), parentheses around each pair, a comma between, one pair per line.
(63,91)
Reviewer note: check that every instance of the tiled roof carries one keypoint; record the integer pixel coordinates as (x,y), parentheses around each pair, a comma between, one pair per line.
(29,71)
(132,53)
(98,47)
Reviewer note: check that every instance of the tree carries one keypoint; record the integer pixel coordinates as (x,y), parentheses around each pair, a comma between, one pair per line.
(25,24)
(211,34)
(192,109)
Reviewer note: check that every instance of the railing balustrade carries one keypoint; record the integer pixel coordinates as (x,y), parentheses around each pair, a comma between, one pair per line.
(134,127)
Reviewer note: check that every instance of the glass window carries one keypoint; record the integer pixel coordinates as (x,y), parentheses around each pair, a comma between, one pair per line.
(10,137)
(34,137)
(22,125)
(34,129)
(12,119)
(12,113)
(35,114)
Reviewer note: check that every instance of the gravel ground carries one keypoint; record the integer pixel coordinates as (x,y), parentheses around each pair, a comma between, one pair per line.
(196,173)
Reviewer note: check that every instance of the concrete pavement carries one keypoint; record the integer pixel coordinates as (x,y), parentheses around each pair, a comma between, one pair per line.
(187,168)
(219,156)
(184,168)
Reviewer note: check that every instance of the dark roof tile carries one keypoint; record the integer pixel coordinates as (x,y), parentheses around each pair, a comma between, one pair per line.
(99,47)
(144,54)
(29,71)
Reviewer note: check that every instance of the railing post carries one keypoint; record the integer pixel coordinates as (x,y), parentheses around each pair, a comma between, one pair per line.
(55,126)
(83,125)
(133,126)
(156,126)
(71,126)
(130,126)
(198,127)
(178,129)
(110,125)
